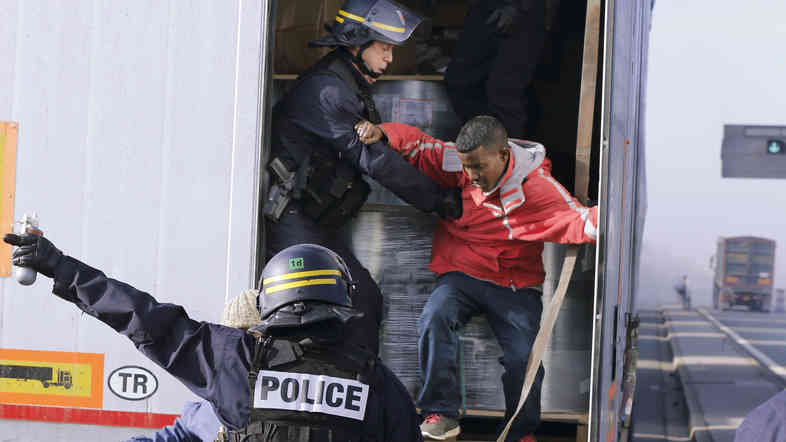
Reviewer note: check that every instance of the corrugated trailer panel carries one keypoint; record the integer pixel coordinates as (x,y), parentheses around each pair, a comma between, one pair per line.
(623,205)
(139,149)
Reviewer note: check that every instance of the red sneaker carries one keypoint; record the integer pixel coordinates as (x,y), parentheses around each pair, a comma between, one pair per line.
(438,427)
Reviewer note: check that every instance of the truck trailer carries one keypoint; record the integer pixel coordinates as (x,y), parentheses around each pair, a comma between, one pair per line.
(744,273)
(142,139)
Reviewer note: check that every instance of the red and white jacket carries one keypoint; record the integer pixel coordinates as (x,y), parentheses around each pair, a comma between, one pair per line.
(500,236)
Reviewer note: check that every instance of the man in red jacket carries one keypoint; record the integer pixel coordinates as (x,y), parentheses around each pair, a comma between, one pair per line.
(488,261)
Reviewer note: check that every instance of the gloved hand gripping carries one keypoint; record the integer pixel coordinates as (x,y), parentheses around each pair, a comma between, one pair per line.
(35,252)
(451,205)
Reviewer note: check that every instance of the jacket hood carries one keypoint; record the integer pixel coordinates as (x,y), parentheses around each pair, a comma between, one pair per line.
(528,156)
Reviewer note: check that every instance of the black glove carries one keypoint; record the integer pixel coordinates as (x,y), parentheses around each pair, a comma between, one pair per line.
(504,18)
(35,252)
(450,204)
(507,16)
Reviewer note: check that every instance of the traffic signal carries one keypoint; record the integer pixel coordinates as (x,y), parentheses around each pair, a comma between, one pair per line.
(776,147)
(753,151)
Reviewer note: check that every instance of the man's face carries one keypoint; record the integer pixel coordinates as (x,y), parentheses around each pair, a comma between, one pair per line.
(485,167)
(378,56)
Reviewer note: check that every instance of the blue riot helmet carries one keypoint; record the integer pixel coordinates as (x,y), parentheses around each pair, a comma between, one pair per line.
(303,285)
(361,22)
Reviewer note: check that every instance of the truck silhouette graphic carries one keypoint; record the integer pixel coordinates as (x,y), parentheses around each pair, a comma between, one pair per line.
(48,376)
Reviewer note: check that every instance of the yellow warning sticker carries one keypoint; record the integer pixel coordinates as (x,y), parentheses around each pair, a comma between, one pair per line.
(9,132)
(51,378)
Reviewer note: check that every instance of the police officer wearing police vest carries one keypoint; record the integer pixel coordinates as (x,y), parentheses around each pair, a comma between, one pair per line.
(198,421)
(318,160)
(294,369)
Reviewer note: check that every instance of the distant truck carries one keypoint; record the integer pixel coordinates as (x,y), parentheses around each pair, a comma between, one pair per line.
(48,376)
(744,267)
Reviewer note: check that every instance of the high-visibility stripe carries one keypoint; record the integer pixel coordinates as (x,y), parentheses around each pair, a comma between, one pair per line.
(326,272)
(510,204)
(351,15)
(506,223)
(493,207)
(589,229)
(388,27)
(509,193)
(291,285)
(339,19)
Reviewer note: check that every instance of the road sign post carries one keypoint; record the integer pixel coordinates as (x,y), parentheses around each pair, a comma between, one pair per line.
(753,151)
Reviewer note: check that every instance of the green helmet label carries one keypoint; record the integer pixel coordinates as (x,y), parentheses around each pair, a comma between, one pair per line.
(296,264)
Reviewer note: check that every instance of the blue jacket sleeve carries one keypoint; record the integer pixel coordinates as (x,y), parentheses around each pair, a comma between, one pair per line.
(211,360)
(334,111)
(197,423)
(766,423)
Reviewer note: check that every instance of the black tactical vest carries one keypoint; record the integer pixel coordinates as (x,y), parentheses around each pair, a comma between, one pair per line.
(332,190)
(299,390)
(340,62)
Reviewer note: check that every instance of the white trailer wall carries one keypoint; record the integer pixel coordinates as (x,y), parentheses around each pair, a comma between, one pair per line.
(139,150)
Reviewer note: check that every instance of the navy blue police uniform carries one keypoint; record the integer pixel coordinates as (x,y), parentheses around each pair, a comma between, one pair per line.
(317,158)
(296,363)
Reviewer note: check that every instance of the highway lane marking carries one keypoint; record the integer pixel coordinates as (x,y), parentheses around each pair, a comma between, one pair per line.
(681,335)
(731,423)
(774,331)
(652,364)
(667,324)
(660,437)
(756,320)
(714,360)
(681,313)
(762,359)
(765,342)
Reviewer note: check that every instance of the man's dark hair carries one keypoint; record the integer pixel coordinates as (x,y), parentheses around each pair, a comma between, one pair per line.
(482,130)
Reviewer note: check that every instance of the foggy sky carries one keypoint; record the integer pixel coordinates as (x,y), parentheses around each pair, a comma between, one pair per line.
(711,63)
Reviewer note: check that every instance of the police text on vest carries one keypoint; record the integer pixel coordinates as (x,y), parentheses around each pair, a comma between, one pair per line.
(311,393)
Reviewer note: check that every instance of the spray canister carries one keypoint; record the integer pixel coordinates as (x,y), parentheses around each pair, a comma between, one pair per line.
(28,224)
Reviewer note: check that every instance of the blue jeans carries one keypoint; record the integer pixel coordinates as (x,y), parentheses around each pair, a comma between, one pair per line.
(514,317)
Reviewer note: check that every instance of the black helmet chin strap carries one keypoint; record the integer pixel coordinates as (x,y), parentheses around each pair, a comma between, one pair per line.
(358,59)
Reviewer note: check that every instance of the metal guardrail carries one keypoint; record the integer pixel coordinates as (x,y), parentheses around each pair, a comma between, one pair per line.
(775,370)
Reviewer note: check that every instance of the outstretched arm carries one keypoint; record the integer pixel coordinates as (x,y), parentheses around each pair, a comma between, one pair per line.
(210,359)
(436,158)
(332,119)
(556,216)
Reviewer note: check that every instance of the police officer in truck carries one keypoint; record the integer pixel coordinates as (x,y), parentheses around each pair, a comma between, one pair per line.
(318,160)
(294,369)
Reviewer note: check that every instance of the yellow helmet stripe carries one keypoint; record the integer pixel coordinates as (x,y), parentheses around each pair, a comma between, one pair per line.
(291,285)
(330,272)
(387,27)
(351,16)
(339,19)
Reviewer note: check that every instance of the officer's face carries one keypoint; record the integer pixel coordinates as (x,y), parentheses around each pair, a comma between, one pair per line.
(485,166)
(378,56)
